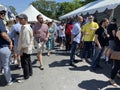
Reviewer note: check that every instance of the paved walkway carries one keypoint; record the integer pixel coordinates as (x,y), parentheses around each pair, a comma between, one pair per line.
(58,75)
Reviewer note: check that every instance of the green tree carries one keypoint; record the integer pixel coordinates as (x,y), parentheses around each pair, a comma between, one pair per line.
(54,10)
(87,1)
(13,10)
(67,7)
(47,7)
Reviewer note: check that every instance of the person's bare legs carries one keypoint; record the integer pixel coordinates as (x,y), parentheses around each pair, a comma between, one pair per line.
(49,52)
(19,61)
(14,61)
(107,54)
(40,60)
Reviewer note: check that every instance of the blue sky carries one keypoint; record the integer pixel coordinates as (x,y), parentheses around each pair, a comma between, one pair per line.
(20,5)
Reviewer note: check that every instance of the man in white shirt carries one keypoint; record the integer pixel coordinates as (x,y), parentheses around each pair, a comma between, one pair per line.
(75,39)
(25,46)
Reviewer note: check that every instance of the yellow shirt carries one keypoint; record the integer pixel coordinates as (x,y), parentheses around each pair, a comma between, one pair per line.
(89,34)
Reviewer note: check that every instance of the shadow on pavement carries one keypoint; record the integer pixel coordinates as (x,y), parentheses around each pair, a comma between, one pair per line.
(61,52)
(13,67)
(34,62)
(93,84)
(2,81)
(36,66)
(106,69)
(34,54)
(14,78)
(61,63)
(82,68)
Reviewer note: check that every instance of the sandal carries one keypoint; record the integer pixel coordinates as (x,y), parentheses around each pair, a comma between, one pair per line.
(41,67)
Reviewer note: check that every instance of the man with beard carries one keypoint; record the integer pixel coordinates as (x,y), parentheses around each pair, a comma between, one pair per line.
(40,32)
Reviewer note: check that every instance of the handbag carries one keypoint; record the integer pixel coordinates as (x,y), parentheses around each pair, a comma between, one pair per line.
(115,55)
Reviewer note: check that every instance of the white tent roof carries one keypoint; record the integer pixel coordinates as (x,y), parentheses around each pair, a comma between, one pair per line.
(75,12)
(3,7)
(91,8)
(102,6)
(32,13)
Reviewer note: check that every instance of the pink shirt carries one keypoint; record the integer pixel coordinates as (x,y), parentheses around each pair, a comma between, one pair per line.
(40,31)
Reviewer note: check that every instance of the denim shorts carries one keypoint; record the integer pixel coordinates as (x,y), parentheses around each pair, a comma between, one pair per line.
(112,44)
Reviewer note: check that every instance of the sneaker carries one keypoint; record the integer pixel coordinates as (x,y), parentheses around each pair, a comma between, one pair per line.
(10,83)
(73,65)
(48,54)
(83,60)
(89,60)
(102,57)
(20,80)
(118,75)
(15,62)
(12,62)
(61,48)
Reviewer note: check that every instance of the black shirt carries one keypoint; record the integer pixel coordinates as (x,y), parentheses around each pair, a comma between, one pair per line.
(102,36)
(3,42)
(110,28)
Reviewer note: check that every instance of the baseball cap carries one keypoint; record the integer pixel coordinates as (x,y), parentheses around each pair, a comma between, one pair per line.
(114,20)
(23,16)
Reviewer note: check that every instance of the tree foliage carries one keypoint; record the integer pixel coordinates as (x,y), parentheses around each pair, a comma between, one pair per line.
(13,10)
(54,9)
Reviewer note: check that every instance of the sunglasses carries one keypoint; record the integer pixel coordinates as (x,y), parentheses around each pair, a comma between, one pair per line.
(90,18)
(2,13)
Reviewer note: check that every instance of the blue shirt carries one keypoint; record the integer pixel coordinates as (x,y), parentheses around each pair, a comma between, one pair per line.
(76,31)
(15,30)
(3,42)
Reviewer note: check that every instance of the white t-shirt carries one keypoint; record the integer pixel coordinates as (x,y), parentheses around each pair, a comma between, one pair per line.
(61,31)
(76,29)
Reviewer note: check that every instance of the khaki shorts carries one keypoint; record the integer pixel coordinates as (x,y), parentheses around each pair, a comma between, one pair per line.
(40,46)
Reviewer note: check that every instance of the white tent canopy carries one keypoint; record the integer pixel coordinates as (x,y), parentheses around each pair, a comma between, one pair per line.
(75,12)
(3,7)
(91,8)
(32,13)
(101,6)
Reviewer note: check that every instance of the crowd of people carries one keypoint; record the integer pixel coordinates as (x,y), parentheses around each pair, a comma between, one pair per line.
(93,41)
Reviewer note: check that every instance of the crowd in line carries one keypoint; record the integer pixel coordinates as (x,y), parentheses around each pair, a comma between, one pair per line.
(93,39)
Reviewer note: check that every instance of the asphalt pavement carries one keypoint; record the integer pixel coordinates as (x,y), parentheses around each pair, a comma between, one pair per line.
(58,75)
